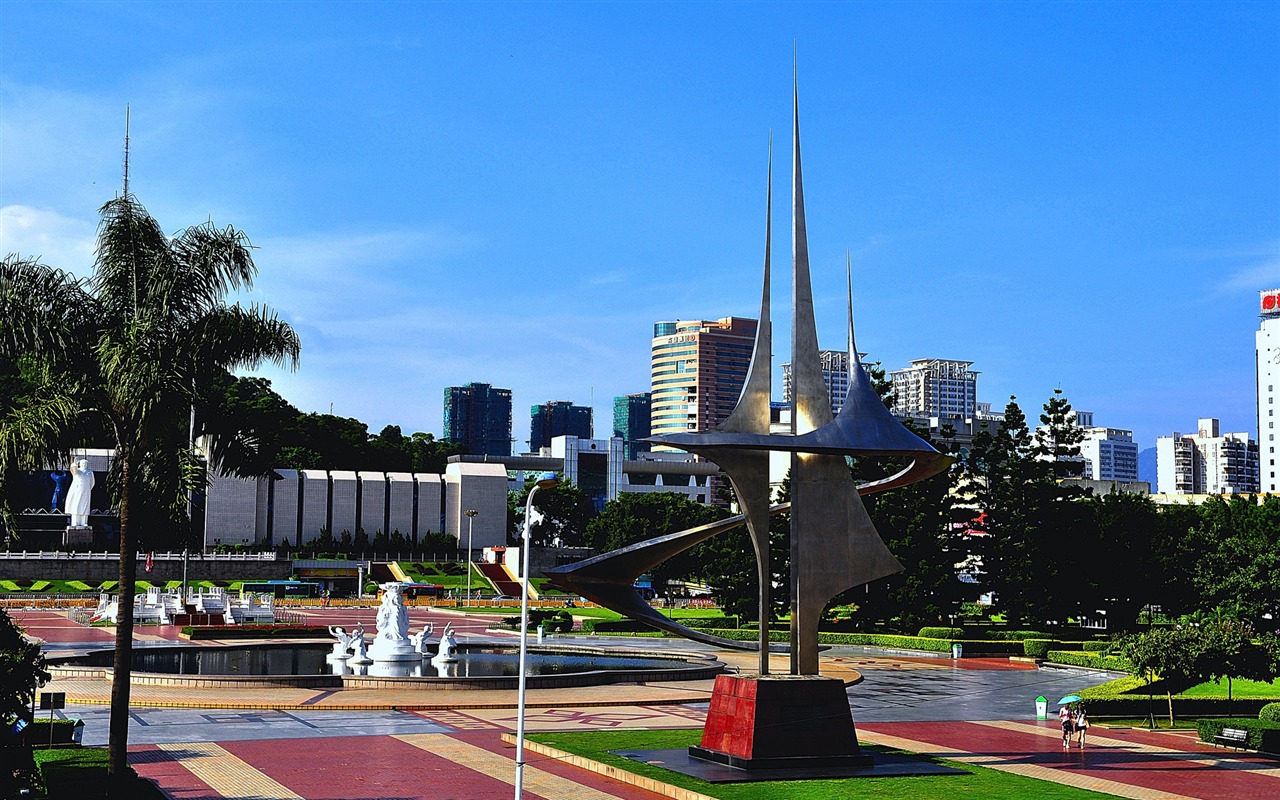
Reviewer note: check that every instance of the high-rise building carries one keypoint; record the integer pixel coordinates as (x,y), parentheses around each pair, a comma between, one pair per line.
(1268,372)
(935,387)
(1209,462)
(557,418)
(699,368)
(835,375)
(631,422)
(1109,455)
(479,416)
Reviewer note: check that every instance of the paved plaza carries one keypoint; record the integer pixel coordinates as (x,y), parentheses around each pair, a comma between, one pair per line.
(316,745)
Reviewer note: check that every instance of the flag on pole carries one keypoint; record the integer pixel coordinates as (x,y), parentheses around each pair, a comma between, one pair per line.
(150,560)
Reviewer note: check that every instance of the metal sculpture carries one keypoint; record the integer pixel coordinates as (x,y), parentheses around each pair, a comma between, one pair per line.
(834,545)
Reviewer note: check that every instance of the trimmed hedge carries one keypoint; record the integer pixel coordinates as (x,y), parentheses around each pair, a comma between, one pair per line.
(1259,734)
(1079,658)
(1096,647)
(1270,712)
(1038,648)
(941,633)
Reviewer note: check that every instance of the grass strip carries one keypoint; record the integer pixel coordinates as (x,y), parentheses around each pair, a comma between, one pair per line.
(80,773)
(980,784)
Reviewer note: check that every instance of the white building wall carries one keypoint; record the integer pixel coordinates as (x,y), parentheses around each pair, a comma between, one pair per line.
(315,502)
(284,507)
(400,503)
(429,502)
(482,487)
(1267,342)
(233,512)
(373,502)
(343,488)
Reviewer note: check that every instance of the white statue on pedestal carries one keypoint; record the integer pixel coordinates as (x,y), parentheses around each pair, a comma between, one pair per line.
(448,647)
(79,493)
(359,654)
(342,647)
(419,639)
(392,642)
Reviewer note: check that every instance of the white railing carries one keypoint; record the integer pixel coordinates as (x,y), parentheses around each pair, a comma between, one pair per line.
(59,555)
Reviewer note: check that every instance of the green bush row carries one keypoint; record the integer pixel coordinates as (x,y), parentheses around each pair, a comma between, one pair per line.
(1259,734)
(1092,660)
(941,633)
(1038,648)
(1096,647)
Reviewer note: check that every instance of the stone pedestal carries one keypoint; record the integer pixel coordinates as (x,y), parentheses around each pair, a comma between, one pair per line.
(779,722)
(77,535)
(384,649)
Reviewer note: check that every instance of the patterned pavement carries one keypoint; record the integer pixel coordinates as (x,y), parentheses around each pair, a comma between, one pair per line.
(324,746)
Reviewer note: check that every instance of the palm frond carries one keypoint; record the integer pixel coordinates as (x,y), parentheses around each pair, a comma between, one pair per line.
(131,252)
(232,337)
(44,311)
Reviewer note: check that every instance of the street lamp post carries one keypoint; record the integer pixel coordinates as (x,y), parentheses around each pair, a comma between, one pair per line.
(471,516)
(546,480)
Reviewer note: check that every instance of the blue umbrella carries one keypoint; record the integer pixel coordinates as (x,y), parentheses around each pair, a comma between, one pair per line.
(1071,698)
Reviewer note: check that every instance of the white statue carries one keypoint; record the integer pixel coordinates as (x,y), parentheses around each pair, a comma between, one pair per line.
(393,617)
(420,638)
(359,654)
(78,494)
(392,641)
(448,647)
(342,647)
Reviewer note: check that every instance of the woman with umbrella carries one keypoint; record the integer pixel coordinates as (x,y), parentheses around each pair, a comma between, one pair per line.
(1071,722)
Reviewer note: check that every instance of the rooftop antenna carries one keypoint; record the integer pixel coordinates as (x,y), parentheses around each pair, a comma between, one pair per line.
(126,150)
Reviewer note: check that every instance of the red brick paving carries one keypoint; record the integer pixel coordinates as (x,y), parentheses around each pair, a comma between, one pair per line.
(362,767)
(155,764)
(54,627)
(493,743)
(1103,757)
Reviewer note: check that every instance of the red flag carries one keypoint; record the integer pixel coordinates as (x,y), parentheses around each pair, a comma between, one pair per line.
(149,560)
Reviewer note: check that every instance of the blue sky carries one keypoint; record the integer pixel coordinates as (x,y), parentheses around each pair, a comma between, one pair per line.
(1084,195)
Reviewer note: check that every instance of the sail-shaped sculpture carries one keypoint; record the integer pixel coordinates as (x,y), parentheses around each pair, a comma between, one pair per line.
(834,545)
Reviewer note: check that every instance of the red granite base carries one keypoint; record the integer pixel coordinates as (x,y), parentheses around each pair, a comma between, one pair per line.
(779,721)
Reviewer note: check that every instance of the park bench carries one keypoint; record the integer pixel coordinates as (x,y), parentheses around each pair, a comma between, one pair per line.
(1231,737)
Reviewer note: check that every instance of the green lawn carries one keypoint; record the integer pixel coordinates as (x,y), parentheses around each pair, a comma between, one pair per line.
(1242,689)
(981,784)
(1239,689)
(80,773)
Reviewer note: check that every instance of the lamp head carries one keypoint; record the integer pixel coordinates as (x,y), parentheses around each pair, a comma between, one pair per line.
(546,480)
(470,512)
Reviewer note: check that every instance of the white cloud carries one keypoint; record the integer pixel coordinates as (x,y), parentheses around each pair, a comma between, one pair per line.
(59,241)
(1258,276)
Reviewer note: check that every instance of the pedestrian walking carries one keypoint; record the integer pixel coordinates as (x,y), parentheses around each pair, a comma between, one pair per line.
(1068,727)
(1081,723)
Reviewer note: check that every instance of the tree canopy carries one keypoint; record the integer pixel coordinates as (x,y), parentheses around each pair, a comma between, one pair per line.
(131,349)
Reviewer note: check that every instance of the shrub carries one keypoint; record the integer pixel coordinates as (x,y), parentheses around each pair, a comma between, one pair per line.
(1075,658)
(1038,648)
(1096,647)
(712,622)
(1259,734)
(1270,712)
(941,633)
(613,626)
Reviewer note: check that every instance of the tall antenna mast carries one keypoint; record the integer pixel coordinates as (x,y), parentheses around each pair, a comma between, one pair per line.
(126,150)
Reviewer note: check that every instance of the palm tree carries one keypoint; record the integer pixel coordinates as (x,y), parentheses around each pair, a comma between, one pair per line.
(128,350)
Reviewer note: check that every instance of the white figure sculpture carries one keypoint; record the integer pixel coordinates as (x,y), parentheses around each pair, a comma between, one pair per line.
(342,647)
(448,647)
(392,641)
(419,639)
(359,654)
(78,494)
